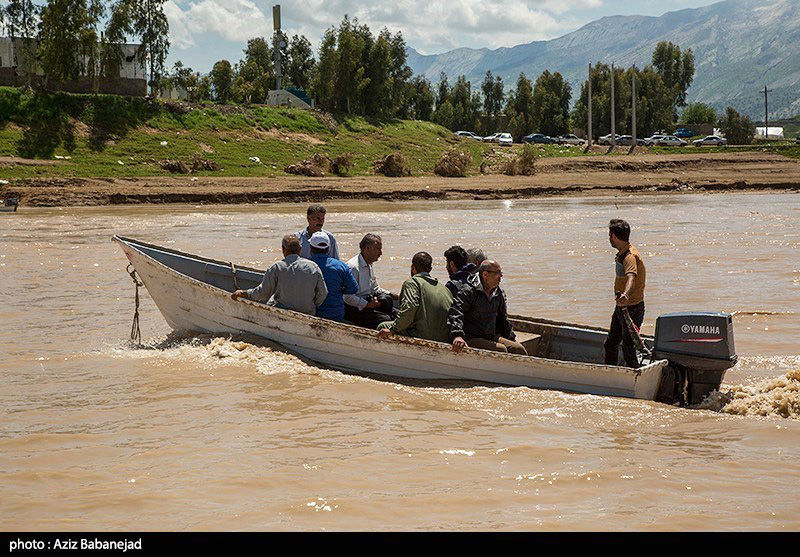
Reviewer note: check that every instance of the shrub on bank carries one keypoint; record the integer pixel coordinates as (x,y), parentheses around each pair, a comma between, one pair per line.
(394,165)
(523,164)
(342,164)
(316,166)
(453,164)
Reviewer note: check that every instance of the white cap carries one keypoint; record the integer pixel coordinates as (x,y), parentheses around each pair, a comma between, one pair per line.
(319,240)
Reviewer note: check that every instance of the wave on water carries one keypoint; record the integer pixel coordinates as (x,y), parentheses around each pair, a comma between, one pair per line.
(777,396)
(267,357)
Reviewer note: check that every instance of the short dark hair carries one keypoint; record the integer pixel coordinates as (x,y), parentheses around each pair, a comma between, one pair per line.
(315,251)
(422,262)
(620,229)
(457,255)
(368,240)
(314,209)
(291,244)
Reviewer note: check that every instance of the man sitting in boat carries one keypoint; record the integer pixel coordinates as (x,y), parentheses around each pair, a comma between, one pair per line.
(479,315)
(475,256)
(293,283)
(371,305)
(338,278)
(461,271)
(315,214)
(424,303)
(629,293)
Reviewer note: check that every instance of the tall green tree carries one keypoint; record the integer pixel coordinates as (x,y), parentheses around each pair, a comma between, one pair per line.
(350,73)
(151,27)
(222,76)
(146,22)
(21,19)
(301,62)
(738,129)
(422,98)
(323,82)
(519,108)
(550,109)
(378,90)
(493,94)
(698,113)
(400,74)
(676,69)
(68,38)
(442,90)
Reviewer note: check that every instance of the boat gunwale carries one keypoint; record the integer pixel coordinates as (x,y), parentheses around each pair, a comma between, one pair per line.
(315,321)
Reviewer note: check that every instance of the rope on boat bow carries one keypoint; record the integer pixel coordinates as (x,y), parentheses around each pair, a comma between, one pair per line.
(136,333)
(235,282)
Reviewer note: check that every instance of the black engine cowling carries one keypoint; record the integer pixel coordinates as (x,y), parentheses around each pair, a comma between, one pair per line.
(699,347)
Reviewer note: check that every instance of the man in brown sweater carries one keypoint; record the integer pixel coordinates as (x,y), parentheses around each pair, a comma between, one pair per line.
(629,285)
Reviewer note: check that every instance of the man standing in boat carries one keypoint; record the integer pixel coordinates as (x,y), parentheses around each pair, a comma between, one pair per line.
(293,283)
(315,214)
(479,315)
(629,285)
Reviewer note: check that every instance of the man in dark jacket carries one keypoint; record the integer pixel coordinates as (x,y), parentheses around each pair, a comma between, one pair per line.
(460,270)
(479,315)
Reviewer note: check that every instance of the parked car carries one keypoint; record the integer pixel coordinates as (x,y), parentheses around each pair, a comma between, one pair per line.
(569,139)
(710,140)
(469,135)
(538,138)
(628,140)
(650,141)
(683,132)
(490,138)
(606,139)
(670,141)
(505,139)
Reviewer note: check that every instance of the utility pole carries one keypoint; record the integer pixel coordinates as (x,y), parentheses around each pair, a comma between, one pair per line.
(766,113)
(277,44)
(589,142)
(633,111)
(613,115)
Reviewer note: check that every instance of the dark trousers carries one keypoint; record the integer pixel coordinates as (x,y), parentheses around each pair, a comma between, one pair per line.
(502,345)
(619,333)
(371,318)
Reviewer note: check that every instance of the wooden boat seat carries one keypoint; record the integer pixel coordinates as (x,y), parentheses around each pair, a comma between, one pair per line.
(530,341)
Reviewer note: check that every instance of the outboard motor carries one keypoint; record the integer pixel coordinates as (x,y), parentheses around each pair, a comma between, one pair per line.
(699,347)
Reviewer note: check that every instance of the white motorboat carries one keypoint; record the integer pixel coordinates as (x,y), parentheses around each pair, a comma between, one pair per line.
(193,294)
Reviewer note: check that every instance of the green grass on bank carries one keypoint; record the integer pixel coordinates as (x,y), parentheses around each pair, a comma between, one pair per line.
(112,136)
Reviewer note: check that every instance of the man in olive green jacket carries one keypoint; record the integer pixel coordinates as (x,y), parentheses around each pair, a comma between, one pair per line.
(424,303)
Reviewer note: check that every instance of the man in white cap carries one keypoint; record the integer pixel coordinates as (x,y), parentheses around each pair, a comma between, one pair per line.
(316,219)
(338,278)
(293,283)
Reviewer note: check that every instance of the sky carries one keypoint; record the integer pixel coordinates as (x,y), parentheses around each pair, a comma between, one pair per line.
(204,31)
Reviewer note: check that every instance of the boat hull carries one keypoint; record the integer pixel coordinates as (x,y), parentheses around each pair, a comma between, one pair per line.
(190,304)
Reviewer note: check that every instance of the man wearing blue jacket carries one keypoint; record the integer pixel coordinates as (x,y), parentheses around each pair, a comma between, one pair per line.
(338,278)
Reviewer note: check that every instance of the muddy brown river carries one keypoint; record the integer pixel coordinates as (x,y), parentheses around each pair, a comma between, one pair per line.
(217,433)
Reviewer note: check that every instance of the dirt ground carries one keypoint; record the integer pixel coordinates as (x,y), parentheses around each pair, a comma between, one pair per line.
(600,175)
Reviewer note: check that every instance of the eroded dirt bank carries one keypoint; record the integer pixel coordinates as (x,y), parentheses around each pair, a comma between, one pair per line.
(556,176)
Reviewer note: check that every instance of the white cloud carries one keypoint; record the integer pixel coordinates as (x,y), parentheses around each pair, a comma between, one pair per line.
(429,26)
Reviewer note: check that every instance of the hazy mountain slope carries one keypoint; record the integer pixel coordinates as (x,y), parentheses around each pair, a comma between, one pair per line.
(739,45)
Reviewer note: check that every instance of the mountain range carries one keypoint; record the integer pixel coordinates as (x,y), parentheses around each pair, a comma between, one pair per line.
(739,46)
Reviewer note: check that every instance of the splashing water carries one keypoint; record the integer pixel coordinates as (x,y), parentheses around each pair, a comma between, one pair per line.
(777,396)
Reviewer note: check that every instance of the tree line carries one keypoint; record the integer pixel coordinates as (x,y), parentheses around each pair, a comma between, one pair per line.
(69,39)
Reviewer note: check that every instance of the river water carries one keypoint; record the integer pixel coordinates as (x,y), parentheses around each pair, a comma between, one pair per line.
(235,434)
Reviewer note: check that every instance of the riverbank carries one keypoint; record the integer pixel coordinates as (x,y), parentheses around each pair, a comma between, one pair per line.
(596,175)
